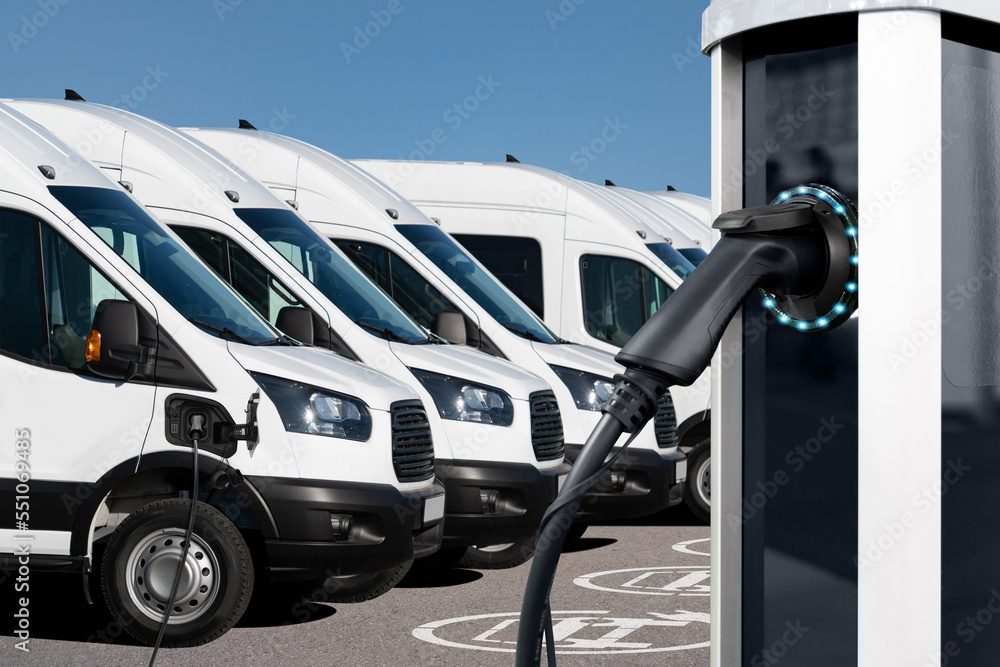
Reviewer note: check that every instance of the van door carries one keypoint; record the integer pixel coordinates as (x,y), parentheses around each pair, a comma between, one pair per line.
(61,426)
(610,294)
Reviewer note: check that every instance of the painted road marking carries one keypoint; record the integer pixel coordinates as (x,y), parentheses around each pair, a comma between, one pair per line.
(680,580)
(580,632)
(685,547)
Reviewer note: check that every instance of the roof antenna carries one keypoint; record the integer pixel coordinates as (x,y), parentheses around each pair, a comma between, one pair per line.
(74,96)
(671,188)
(246,125)
(609,184)
(511,158)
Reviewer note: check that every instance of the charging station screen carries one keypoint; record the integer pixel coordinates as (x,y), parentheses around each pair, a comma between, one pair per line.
(969,489)
(800,494)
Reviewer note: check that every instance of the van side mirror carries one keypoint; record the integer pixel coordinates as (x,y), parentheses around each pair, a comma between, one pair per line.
(112,348)
(297,322)
(450,325)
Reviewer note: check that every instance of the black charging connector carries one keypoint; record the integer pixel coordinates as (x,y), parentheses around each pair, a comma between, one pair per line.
(801,251)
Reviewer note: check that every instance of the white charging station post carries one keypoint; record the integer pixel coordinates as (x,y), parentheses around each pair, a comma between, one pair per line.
(856,472)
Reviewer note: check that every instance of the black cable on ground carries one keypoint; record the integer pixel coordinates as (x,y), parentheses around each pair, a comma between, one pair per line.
(184,553)
(631,405)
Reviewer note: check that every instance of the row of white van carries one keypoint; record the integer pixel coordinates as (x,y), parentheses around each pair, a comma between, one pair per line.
(173,327)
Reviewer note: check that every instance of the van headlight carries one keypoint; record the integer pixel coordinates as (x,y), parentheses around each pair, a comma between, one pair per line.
(589,390)
(466,401)
(307,409)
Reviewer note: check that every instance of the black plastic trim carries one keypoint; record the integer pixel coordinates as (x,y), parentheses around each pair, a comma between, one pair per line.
(651,480)
(525,493)
(71,506)
(385,521)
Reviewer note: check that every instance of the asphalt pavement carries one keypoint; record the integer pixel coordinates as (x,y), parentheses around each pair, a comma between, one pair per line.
(630,594)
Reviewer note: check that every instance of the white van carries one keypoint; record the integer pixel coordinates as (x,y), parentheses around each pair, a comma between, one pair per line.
(689,214)
(444,289)
(568,251)
(126,366)
(497,431)
(699,208)
(688,236)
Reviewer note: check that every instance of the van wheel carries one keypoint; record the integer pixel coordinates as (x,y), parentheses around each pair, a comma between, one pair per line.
(698,488)
(139,564)
(362,587)
(498,556)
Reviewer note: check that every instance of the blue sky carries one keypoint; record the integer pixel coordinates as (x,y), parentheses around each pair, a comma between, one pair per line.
(592,88)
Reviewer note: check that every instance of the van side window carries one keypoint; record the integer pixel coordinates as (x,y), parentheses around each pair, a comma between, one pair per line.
(22,328)
(373,261)
(73,289)
(258,285)
(515,260)
(619,295)
(251,280)
(399,280)
(211,248)
(45,315)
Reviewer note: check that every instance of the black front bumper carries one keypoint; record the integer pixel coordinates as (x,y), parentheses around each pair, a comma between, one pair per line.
(650,485)
(389,527)
(523,493)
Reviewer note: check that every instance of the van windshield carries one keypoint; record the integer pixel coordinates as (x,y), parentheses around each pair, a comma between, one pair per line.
(163,262)
(477,282)
(673,259)
(333,274)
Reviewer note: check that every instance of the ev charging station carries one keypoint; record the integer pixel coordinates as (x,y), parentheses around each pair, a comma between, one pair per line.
(856,473)
(856,467)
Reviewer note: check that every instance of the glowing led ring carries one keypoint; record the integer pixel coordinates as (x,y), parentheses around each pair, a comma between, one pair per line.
(845,304)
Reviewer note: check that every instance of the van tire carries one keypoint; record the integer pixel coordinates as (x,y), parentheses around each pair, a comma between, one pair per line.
(499,556)
(134,577)
(697,488)
(363,587)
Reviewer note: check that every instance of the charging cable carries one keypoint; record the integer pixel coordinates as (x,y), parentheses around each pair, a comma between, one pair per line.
(196,430)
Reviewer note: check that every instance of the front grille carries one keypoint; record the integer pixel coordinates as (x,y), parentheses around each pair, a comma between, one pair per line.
(665,422)
(412,448)
(546,426)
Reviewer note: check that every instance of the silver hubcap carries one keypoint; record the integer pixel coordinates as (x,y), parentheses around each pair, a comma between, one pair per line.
(151,568)
(704,481)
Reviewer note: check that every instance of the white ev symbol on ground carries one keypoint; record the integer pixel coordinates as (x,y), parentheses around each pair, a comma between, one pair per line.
(584,632)
(681,580)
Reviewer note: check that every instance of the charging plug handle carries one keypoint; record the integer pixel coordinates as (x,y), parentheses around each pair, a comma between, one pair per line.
(772,247)
(197,430)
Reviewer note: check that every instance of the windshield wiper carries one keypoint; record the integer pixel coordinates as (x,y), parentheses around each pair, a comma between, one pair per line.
(433,339)
(283,339)
(384,332)
(523,333)
(224,332)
